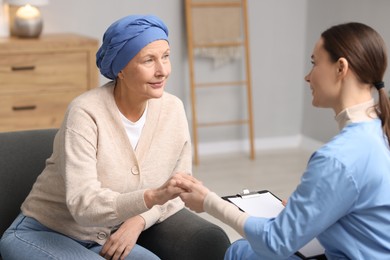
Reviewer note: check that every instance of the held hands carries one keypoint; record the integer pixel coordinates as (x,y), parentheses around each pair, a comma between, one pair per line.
(120,243)
(194,192)
(190,190)
(169,190)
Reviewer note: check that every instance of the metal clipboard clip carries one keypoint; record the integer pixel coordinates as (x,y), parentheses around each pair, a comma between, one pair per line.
(247,194)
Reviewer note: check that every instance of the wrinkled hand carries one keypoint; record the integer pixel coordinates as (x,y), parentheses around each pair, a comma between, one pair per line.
(120,243)
(169,190)
(195,193)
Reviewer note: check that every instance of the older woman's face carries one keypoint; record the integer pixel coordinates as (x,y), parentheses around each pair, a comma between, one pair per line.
(323,78)
(146,74)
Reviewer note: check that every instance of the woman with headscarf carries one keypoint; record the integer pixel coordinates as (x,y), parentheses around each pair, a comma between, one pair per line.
(112,171)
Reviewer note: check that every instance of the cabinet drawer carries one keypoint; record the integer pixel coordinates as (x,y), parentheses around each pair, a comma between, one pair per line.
(41,72)
(34,111)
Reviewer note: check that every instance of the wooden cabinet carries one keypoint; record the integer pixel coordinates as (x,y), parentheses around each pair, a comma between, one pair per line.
(39,78)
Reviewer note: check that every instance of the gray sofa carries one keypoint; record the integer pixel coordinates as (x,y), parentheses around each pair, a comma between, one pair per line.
(183,236)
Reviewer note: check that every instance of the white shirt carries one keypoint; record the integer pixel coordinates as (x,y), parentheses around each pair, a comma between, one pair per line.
(134,129)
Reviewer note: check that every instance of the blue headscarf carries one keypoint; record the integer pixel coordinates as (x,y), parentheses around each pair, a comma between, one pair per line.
(124,39)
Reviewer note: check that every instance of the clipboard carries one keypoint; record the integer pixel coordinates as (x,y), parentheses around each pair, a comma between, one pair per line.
(267,205)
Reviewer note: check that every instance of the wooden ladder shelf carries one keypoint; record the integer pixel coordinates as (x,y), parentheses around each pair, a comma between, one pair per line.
(200,5)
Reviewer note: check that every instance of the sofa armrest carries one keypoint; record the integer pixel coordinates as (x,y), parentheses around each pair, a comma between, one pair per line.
(185,235)
(22,159)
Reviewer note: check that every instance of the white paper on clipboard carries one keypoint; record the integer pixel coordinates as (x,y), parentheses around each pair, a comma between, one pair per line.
(266,205)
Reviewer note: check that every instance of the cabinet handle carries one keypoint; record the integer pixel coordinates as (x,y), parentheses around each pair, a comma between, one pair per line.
(19,108)
(19,68)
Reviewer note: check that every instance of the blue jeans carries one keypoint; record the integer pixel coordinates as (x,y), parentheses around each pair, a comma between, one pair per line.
(26,238)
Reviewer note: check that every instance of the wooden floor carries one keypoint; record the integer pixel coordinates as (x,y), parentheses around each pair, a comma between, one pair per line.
(278,171)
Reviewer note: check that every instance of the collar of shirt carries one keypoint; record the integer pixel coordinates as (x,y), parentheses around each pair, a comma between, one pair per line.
(359,113)
(134,129)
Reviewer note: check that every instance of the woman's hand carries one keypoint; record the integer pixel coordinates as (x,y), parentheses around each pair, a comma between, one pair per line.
(195,192)
(120,243)
(169,190)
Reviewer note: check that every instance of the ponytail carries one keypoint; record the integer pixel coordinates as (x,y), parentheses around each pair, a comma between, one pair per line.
(383,111)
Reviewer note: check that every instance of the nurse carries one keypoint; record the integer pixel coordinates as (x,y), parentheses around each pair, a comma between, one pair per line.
(344,197)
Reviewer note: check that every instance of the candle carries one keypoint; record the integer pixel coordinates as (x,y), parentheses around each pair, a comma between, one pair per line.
(27,12)
(27,22)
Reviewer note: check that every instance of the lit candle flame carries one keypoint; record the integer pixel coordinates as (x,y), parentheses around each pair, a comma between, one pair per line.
(27,12)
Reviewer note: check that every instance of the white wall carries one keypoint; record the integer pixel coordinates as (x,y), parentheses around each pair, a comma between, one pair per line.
(277,33)
(282,34)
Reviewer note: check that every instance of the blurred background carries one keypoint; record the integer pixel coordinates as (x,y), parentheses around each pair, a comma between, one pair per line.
(281,38)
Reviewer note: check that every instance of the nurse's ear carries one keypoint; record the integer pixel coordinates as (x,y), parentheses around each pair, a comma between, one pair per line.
(342,67)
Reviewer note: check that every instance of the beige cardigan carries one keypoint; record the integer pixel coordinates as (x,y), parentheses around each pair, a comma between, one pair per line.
(94,180)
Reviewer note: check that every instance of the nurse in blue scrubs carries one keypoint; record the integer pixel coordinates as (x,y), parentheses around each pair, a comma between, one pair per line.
(343,198)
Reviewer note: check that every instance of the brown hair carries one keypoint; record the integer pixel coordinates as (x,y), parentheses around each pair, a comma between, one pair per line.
(366,54)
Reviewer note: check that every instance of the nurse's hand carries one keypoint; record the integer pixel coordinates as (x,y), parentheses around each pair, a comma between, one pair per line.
(195,192)
(169,190)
